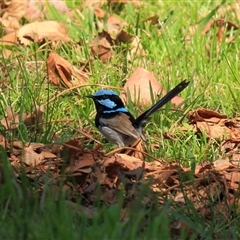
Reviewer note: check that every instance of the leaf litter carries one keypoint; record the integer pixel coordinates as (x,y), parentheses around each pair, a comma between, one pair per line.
(208,186)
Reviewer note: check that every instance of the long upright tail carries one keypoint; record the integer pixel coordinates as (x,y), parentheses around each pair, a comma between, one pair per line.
(169,96)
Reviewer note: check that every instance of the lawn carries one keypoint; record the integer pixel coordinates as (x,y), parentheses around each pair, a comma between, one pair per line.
(61,179)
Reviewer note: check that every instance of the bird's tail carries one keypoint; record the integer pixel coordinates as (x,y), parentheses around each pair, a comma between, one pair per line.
(169,96)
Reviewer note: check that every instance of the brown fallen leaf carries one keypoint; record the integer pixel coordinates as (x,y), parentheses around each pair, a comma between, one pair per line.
(202,167)
(136,3)
(221,164)
(153,19)
(94,3)
(139,148)
(124,37)
(35,119)
(9,40)
(30,157)
(139,86)
(112,33)
(215,131)
(98,173)
(11,24)
(15,8)
(137,173)
(32,121)
(113,24)
(14,11)
(136,49)
(231,148)
(59,5)
(48,155)
(214,124)
(60,69)
(42,31)
(222,25)
(233,176)
(80,166)
(102,48)
(203,114)
(37,9)
(11,121)
(100,13)
(231,8)
(128,162)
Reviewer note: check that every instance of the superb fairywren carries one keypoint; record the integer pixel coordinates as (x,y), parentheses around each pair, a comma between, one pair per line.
(116,123)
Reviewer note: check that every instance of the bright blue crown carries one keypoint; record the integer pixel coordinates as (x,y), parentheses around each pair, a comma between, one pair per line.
(104,92)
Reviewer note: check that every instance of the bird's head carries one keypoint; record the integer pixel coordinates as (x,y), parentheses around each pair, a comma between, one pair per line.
(107,101)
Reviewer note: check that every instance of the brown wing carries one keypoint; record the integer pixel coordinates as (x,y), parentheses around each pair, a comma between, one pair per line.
(121,123)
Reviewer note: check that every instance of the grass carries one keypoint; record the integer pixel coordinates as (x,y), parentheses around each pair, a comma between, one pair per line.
(214,85)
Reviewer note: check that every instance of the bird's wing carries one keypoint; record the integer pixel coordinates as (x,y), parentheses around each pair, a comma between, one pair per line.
(121,123)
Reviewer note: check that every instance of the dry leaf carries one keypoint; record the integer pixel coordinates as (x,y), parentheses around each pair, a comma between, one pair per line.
(136,49)
(136,3)
(124,37)
(139,86)
(232,8)
(233,176)
(37,9)
(100,13)
(15,9)
(214,124)
(59,68)
(42,31)
(94,3)
(101,47)
(12,14)
(48,155)
(221,164)
(11,121)
(203,114)
(213,130)
(34,121)
(30,157)
(223,26)
(59,5)
(231,148)
(10,24)
(114,25)
(153,19)
(126,161)
(80,165)
(9,40)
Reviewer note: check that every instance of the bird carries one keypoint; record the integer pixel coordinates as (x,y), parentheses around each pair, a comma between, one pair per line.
(116,123)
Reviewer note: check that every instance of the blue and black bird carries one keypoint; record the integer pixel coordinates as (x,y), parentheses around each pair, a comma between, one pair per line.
(116,123)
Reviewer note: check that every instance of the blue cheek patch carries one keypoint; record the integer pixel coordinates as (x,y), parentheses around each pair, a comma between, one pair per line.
(116,110)
(107,103)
